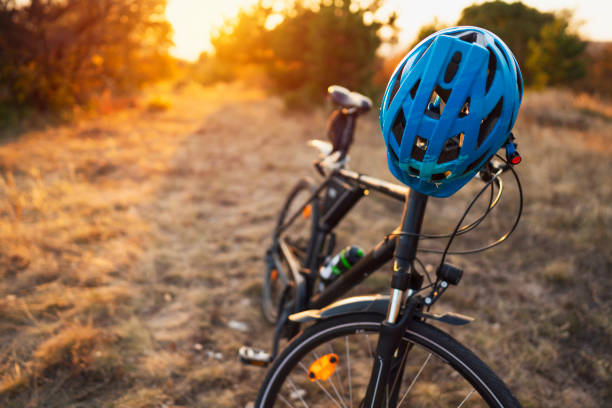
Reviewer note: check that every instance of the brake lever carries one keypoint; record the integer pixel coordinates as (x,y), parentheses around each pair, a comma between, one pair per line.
(486,172)
(492,169)
(495,168)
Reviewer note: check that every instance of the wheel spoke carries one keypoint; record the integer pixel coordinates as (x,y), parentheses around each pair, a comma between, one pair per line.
(387,388)
(337,373)
(321,385)
(297,393)
(348,360)
(401,367)
(328,394)
(285,400)
(369,347)
(337,393)
(466,398)
(415,379)
(330,383)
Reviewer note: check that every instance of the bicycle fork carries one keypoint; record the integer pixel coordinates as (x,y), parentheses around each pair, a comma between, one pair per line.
(392,351)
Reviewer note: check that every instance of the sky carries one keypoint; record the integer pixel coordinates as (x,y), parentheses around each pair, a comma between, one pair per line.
(193,20)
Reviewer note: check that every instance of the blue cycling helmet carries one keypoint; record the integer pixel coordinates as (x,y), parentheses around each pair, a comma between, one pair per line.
(449,106)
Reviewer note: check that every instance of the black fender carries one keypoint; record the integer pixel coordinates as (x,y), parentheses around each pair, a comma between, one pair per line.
(370,303)
(356,304)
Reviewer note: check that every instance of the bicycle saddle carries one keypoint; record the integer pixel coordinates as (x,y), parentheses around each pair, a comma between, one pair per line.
(347,99)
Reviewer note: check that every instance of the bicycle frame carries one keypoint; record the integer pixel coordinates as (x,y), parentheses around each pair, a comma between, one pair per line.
(381,253)
(391,350)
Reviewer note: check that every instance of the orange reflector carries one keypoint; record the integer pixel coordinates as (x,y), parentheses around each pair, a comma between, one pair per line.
(273,274)
(323,367)
(307,211)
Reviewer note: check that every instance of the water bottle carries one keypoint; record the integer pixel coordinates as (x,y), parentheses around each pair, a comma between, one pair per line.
(340,263)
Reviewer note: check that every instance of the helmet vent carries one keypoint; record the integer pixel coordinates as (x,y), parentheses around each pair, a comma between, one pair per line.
(487,125)
(451,148)
(414,89)
(423,53)
(465,109)
(398,127)
(469,37)
(393,155)
(473,165)
(440,176)
(501,50)
(519,83)
(419,148)
(491,68)
(452,67)
(436,104)
(396,86)
(414,171)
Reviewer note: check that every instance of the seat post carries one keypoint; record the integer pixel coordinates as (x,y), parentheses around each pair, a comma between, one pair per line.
(346,138)
(404,277)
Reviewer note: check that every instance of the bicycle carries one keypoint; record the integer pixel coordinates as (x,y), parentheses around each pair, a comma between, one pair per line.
(324,363)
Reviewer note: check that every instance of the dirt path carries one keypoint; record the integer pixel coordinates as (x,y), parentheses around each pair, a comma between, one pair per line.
(131,243)
(212,215)
(117,251)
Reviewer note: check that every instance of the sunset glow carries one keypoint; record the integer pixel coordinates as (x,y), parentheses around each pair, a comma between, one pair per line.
(194,20)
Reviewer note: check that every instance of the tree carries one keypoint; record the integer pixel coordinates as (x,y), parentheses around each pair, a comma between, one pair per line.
(56,53)
(556,57)
(244,39)
(314,44)
(599,69)
(515,23)
(426,30)
(314,49)
(543,44)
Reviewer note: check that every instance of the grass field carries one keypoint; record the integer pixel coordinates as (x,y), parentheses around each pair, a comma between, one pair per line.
(131,243)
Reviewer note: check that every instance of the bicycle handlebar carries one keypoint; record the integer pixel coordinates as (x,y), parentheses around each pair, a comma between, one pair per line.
(491,169)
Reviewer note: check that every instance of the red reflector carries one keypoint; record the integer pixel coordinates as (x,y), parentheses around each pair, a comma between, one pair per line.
(516,159)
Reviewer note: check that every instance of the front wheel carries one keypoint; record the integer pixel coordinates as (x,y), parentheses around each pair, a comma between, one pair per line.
(330,364)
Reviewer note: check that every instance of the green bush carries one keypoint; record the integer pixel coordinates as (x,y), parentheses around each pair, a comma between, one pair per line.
(314,45)
(426,30)
(543,44)
(55,54)
(599,70)
(557,57)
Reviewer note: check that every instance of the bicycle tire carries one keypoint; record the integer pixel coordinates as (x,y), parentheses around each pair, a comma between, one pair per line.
(427,340)
(272,294)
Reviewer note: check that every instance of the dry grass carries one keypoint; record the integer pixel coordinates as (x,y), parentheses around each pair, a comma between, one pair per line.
(128,243)
(158,104)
